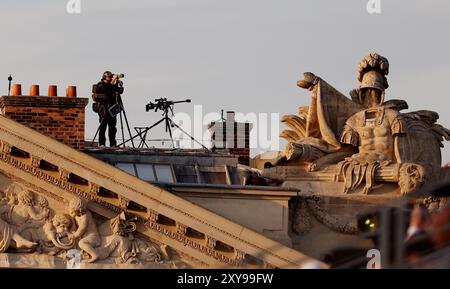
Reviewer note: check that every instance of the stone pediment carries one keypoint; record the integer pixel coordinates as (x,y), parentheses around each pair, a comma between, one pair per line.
(132,217)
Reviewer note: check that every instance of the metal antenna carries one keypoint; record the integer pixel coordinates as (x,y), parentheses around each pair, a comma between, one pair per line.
(9,85)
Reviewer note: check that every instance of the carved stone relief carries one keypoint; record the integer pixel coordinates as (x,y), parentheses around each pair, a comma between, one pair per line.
(309,207)
(29,225)
(363,136)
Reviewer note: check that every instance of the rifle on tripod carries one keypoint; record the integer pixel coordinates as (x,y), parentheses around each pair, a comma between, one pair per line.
(166,106)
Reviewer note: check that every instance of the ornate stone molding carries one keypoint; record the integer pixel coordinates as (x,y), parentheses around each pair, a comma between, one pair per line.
(239,256)
(32,142)
(123,202)
(152,216)
(181,229)
(269,266)
(190,243)
(211,242)
(313,206)
(64,234)
(207,249)
(5,147)
(94,188)
(64,174)
(35,161)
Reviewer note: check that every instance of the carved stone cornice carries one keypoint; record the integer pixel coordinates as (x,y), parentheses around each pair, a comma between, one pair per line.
(152,216)
(35,161)
(94,188)
(208,248)
(123,202)
(64,174)
(181,229)
(210,242)
(152,197)
(269,266)
(5,147)
(239,256)
(188,242)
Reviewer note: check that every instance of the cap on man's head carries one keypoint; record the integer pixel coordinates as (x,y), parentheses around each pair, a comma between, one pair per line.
(106,74)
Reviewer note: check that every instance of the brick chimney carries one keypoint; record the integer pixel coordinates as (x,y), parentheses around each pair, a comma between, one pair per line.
(61,118)
(232,136)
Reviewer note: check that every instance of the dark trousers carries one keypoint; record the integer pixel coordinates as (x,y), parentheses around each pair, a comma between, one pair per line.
(110,122)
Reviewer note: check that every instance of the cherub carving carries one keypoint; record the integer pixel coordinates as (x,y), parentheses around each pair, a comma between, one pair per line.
(57,232)
(86,233)
(26,211)
(9,235)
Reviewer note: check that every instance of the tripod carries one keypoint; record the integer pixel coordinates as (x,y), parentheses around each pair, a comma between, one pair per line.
(167,107)
(119,109)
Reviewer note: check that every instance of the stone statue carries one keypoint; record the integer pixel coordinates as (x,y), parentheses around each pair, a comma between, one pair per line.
(28,224)
(57,232)
(373,130)
(10,234)
(86,233)
(121,243)
(363,139)
(29,214)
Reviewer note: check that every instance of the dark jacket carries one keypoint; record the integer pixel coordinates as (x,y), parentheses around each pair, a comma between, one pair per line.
(109,90)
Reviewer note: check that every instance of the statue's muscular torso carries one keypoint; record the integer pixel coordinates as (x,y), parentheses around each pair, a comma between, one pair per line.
(373,131)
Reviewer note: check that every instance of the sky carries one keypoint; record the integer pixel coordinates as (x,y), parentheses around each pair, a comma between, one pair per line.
(240,55)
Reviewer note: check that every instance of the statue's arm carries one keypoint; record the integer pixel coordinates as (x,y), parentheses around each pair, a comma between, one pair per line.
(398,125)
(82,223)
(349,135)
(36,215)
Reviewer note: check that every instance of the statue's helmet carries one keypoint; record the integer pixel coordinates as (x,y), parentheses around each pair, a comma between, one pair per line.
(373,79)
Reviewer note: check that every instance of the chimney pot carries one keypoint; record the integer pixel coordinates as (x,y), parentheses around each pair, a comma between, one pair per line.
(34,90)
(71,91)
(52,90)
(61,118)
(16,89)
